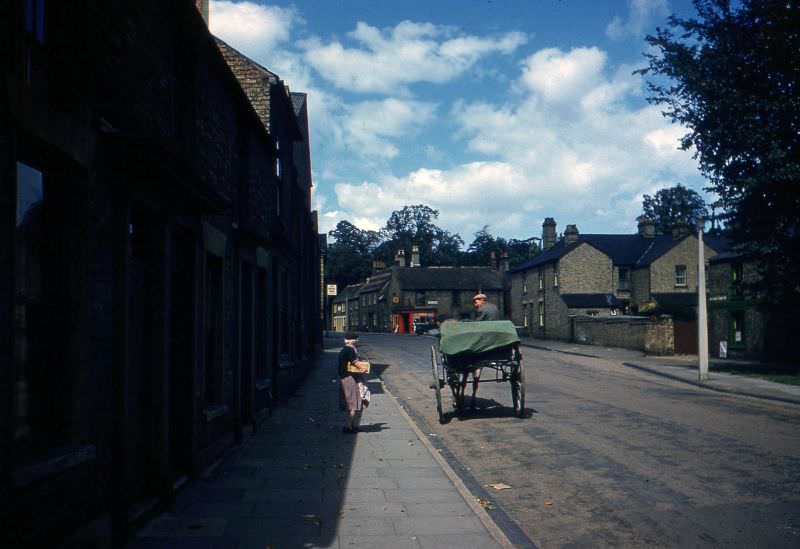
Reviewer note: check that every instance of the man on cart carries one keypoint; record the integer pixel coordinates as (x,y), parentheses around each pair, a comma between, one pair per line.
(483,309)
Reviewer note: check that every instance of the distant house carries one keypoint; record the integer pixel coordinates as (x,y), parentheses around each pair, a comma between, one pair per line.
(604,275)
(344,309)
(395,298)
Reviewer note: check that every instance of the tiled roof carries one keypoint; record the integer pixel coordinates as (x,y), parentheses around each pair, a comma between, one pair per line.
(591,301)
(254,79)
(449,278)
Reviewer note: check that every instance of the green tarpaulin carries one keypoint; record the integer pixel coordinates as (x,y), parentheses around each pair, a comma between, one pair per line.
(460,338)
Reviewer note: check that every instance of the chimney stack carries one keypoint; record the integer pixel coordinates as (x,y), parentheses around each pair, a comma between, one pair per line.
(400,257)
(680,229)
(415,256)
(647,226)
(571,234)
(548,233)
(504,262)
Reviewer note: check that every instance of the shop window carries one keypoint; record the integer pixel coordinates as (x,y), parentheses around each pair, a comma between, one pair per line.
(41,306)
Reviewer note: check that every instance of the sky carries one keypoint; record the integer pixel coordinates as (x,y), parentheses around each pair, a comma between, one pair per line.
(493,112)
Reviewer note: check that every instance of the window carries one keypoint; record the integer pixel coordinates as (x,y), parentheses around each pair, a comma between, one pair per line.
(212,331)
(737,329)
(456,299)
(42,308)
(541,315)
(525,316)
(541,278)
(624,282)
(419,298)
(555,278)
(278,159)
(680,276)
(736,279)
(524,283)
(34,19)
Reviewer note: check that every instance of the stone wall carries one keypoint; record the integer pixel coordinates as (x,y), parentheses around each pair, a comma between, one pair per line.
(584,270)
(629,332)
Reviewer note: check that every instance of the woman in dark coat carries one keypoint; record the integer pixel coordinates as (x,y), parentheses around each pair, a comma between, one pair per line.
(350,383)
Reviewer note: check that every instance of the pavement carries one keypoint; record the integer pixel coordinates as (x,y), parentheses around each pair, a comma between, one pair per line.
(300,482)
(681,368)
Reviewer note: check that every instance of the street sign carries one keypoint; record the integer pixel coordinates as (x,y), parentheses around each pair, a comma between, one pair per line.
(331,289)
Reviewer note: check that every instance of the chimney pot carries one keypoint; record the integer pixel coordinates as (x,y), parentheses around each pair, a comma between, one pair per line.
(571,234)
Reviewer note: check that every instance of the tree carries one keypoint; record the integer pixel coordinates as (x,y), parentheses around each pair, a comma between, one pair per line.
(519,251)
(731,76)
(670,205)
(415,226)
(348,257)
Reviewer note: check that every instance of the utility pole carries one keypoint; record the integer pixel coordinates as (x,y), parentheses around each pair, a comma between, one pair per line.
(702,315)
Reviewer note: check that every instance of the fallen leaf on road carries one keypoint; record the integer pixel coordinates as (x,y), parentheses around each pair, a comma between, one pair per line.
(486,504)
(548,502)
(499,486)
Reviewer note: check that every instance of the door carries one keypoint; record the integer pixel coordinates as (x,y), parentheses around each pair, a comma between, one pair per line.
(686,337)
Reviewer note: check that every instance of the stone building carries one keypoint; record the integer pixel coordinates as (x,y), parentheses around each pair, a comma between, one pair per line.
(159,271)
(393,299)
(344,309)
(606,275)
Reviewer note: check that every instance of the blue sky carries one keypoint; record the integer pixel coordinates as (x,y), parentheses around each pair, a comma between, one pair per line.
(499,112)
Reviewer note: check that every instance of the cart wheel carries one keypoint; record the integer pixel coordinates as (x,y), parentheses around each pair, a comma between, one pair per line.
(518,390)
(436,385)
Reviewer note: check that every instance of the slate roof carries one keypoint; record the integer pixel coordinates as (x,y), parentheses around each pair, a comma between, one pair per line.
(449,278)
(348,292)
(591,301)
(377,281)
(630,250)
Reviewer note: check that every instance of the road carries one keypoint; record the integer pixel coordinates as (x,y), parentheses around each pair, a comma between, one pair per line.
(612,457)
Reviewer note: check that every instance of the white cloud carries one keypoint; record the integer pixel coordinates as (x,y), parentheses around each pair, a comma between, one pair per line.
(571,146)
(641,14)
(386,61)
(248,26)
(559,76)
(369,126)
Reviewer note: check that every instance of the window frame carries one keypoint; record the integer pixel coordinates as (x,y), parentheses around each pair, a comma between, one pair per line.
(677,276)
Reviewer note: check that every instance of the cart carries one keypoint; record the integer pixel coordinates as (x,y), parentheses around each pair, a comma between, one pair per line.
(467,348)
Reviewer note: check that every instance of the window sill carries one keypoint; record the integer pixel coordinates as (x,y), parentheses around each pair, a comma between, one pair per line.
(214,412)
(63,459)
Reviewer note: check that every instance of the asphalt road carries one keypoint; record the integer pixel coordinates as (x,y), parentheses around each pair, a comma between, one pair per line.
(612,457)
